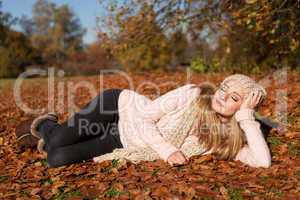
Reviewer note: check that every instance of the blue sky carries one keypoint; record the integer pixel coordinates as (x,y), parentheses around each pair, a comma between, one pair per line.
(86,10)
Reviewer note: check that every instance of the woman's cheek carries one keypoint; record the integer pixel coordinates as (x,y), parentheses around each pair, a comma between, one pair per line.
(215,106)
(228,109)
(234,106)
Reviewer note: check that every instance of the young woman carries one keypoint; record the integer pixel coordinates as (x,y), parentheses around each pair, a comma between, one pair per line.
(187,121)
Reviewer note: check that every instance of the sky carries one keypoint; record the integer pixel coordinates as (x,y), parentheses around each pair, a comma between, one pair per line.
(86,10)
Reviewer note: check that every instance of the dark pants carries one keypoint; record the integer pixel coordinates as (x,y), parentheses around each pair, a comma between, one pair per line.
(91,132)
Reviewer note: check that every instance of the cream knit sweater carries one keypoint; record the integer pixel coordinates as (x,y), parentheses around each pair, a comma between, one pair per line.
(151,130)
(166,120)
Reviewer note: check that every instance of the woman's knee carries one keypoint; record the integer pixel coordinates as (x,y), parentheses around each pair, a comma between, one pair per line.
(57,158)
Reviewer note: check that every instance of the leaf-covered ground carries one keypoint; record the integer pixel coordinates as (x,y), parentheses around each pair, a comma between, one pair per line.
(24,174)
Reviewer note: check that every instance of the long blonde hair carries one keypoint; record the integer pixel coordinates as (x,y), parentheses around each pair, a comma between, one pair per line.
(224,144)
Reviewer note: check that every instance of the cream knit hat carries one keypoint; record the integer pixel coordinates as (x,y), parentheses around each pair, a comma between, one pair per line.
(247,83)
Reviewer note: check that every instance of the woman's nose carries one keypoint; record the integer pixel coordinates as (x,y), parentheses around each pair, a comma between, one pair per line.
(223,96)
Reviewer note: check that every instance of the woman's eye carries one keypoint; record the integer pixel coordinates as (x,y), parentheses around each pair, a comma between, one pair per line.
(234,99)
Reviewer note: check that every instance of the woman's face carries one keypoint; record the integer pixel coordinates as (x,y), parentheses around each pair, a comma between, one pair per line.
(228,98)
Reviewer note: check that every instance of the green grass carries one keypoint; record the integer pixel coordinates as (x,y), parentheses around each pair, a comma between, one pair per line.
(3,178)
(293,149)
(215,187)
(66,195)
(274,141)
(43,162)
(25,193)
(114,164)
(291,119)
(264,178)
(155,171)
(276,192)
(112,192)
(180,168)
(47,180)
(235,194)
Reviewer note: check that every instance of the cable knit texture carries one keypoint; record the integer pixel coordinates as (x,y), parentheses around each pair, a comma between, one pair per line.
(154,129)
(149,129)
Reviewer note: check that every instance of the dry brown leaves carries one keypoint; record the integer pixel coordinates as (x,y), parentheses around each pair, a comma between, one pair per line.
(24,175)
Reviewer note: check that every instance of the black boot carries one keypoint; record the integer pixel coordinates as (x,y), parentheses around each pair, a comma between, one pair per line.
(28,133)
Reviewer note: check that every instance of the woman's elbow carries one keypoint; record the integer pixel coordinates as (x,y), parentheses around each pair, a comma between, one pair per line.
(264,159)
(266,162)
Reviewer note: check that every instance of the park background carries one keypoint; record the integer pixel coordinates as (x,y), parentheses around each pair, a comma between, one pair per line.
(160,43)
(81,37)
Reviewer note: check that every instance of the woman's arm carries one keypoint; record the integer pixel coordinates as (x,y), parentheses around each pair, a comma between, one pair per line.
(256,153)
(151,135)
(154,110)
(191,146)
(169,101)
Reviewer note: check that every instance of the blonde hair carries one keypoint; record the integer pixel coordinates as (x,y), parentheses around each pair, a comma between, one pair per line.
(224,144)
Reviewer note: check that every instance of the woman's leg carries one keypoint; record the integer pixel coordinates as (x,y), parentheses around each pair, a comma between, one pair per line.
(78,152)
(93,120)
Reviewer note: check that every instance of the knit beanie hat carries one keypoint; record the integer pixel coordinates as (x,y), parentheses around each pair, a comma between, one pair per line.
(247,84)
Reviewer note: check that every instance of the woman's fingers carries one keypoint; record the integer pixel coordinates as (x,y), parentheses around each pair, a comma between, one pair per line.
(247,100)
(177,158)
(252,99)
(257,98)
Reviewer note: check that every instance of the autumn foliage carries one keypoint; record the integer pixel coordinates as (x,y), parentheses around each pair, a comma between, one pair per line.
(138,35)
(24,174)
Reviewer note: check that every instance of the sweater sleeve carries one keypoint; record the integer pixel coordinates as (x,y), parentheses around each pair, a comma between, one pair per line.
(169,101)
(134,155)
(191,146)
(151,135)
(256,153)
(152,112)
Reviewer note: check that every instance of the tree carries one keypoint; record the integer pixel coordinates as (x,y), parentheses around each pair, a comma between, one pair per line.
(16,50)
(6,20)
(27,25)
(66,35)
(138,43)
(272,28)
(54,30)
(249,33)
(179,45)
(175,21)
(16,55)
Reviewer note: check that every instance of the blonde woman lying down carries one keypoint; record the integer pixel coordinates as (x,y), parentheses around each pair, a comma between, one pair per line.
(189,120)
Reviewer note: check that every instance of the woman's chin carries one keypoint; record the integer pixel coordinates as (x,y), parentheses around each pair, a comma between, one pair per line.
(220,112)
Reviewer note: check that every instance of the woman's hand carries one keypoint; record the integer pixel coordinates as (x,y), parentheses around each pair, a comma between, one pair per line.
(252,100)
(177,158)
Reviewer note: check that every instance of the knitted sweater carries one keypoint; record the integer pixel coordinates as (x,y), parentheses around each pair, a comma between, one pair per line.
(149,128)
